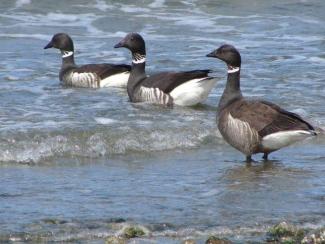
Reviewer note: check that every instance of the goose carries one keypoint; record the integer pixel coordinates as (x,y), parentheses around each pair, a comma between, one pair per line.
(167,88)
(89,75)
(254,126)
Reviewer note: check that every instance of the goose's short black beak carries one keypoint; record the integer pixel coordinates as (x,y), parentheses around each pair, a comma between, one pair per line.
(212,55)
(120,44)
(49,45)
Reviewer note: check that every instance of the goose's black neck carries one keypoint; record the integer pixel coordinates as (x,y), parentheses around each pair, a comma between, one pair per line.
(138,73)
(67,63)
(232,91)
(67,58)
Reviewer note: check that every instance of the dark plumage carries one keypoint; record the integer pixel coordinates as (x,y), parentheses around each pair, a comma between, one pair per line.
(90,75)
(168,81)
(254,126)
(167,88)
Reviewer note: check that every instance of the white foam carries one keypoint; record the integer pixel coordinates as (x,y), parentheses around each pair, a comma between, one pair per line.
(305,38)
(308,20)
(102,5)
(210,193)
(60,20)
(317,60)
(119,34)
(157,4)
(144,122)
(11,78)
(33,151)
(20,3)
(134,9)
(97,145)
(196,21)
(105,121)
(62,17)
(34,36)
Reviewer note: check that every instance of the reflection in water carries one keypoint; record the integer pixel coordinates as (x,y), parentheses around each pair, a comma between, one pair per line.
(265,174)
(265,191)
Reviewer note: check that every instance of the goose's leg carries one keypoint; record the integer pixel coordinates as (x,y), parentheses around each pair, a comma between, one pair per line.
(249,158)
(265,156)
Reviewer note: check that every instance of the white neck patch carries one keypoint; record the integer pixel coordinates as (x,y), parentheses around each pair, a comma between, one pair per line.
(66,54)
(139,61)
(138,58)
(233,70)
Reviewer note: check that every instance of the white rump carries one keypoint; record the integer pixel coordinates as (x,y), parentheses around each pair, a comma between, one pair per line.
(117,80)
(193,91)
(281,139)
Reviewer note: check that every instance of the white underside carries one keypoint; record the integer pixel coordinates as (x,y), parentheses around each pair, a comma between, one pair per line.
(118,80)
(281,139)
(193,91)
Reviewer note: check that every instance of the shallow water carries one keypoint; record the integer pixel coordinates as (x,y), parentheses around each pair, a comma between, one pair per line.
(79,164)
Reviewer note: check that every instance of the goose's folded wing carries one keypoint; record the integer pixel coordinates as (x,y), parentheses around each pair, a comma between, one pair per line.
(267,118)
(167,81)
(103,70)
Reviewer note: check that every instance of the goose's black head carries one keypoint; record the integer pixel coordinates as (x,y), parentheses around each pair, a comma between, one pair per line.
(134,42)
(228,54)
(61,41)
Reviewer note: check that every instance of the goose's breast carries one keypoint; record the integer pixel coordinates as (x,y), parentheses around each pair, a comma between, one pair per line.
(239,134)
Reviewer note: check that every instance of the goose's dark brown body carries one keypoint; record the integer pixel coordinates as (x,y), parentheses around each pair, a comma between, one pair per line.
(254,126)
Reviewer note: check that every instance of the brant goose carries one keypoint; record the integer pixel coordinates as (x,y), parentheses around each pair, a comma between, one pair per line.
(254,126)
(90,75)
(167,88)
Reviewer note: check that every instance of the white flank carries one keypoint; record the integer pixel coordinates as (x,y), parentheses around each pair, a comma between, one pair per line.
(153,95)
(193,91)
(83,80)
(281,139)
(117,80)
(66,54)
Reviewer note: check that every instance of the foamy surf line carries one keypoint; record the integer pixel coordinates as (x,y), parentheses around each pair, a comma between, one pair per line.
(21,3)
(35,148)
(32,36)
(84,20)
